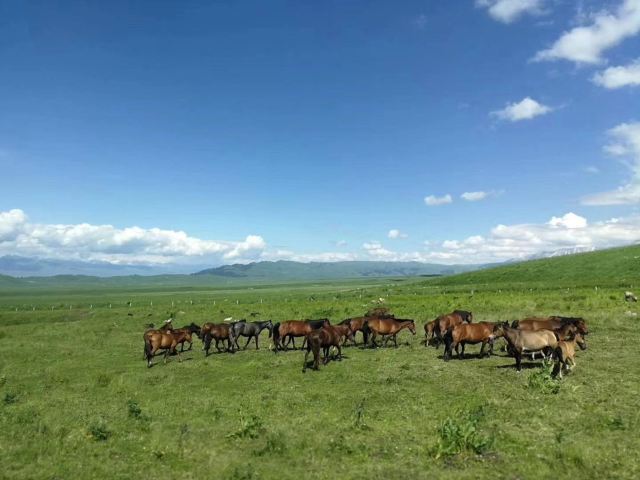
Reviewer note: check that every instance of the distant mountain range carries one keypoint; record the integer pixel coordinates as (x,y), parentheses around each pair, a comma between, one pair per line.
(17,266)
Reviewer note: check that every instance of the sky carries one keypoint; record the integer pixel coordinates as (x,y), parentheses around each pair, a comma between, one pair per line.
(204,133)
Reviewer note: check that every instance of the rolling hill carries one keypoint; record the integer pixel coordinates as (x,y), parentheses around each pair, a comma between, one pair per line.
(616,266)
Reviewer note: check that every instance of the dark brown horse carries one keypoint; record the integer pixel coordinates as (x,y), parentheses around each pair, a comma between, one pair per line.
(220,332)
(324,338)
(473,333)
(389,327)
(356,325)
(162,340)
(447,321)
(296,328)
(551,323)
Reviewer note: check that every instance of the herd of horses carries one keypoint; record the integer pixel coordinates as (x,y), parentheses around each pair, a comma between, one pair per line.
(554,337)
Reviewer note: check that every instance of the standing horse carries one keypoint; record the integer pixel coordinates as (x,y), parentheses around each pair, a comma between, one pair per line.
(473,333)
(565,352)
(428,332)
(356,325)
(325,338)
(189,330)
(389,327)
(447,321)
(251,330)
(551,323)
(218,332)
(297,328)
(162,340)
(522,341)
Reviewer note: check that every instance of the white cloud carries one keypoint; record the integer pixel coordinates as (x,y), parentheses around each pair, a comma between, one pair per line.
(474,196)
(569,220)
(618,77)
(592,169)
(525,109)
(394,233)
(586,44)
(433,201)
(567,232)
(131,245)
(626,144)
(508,11)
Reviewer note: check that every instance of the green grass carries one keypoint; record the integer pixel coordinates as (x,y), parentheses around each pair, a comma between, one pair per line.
(77,401)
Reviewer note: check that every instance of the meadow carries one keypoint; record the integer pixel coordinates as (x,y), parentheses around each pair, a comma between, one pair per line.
(77,400)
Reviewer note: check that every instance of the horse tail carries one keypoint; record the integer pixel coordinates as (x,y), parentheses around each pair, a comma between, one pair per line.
(275,334)
(515,324)
(366,331)
(147,349)
(206,340)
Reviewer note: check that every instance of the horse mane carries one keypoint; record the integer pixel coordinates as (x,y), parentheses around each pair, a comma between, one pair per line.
(465,314)
(515,324)
(346,321)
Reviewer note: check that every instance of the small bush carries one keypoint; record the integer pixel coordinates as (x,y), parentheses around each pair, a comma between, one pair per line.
(10,398)
(359,417)
(543,380)
(251,427)
(99,431)
(460,433)
(134,409)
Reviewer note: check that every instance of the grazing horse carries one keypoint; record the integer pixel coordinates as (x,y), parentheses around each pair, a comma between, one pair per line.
(297,328)
(389,327)
(473,333)
(551,323)
(565,352)
(163,340)
(356,325)
(251,330)
(447,321)
(218,332)
(522,341)
(325,338)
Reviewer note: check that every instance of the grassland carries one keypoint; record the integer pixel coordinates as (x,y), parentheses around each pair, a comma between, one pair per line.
(76,399)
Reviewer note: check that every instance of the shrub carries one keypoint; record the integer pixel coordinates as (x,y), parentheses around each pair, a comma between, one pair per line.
(10,398)
(460,433)
(543,380)
(99,431)
(134,409)
(251,427)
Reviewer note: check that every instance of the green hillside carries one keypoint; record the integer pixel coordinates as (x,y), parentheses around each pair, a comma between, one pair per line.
(616,266)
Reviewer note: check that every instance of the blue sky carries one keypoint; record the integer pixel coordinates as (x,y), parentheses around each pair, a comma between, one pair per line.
(316,128)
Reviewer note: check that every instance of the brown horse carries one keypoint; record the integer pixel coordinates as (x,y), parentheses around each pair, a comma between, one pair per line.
(296,328)
(565,352)
(324,338)
(522,341)
(218,332)
(551,323)
(447,321)
(473,333)
(162,340)
(356,324)
(389,327)
(428,332)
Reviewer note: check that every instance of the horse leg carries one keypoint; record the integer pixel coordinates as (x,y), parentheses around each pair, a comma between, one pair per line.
(373,340)
(247,344)
(518,360)
(339,353)
(177,352)
(257,336)
(395,339)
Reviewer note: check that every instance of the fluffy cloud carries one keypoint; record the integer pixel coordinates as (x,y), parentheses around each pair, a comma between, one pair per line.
(131,245)
(566,233)
(618,77)
(508,11)
(586,44)
(626,145)
(476,196)
(433,201)
(525,109)
(395,233)
(569,232)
